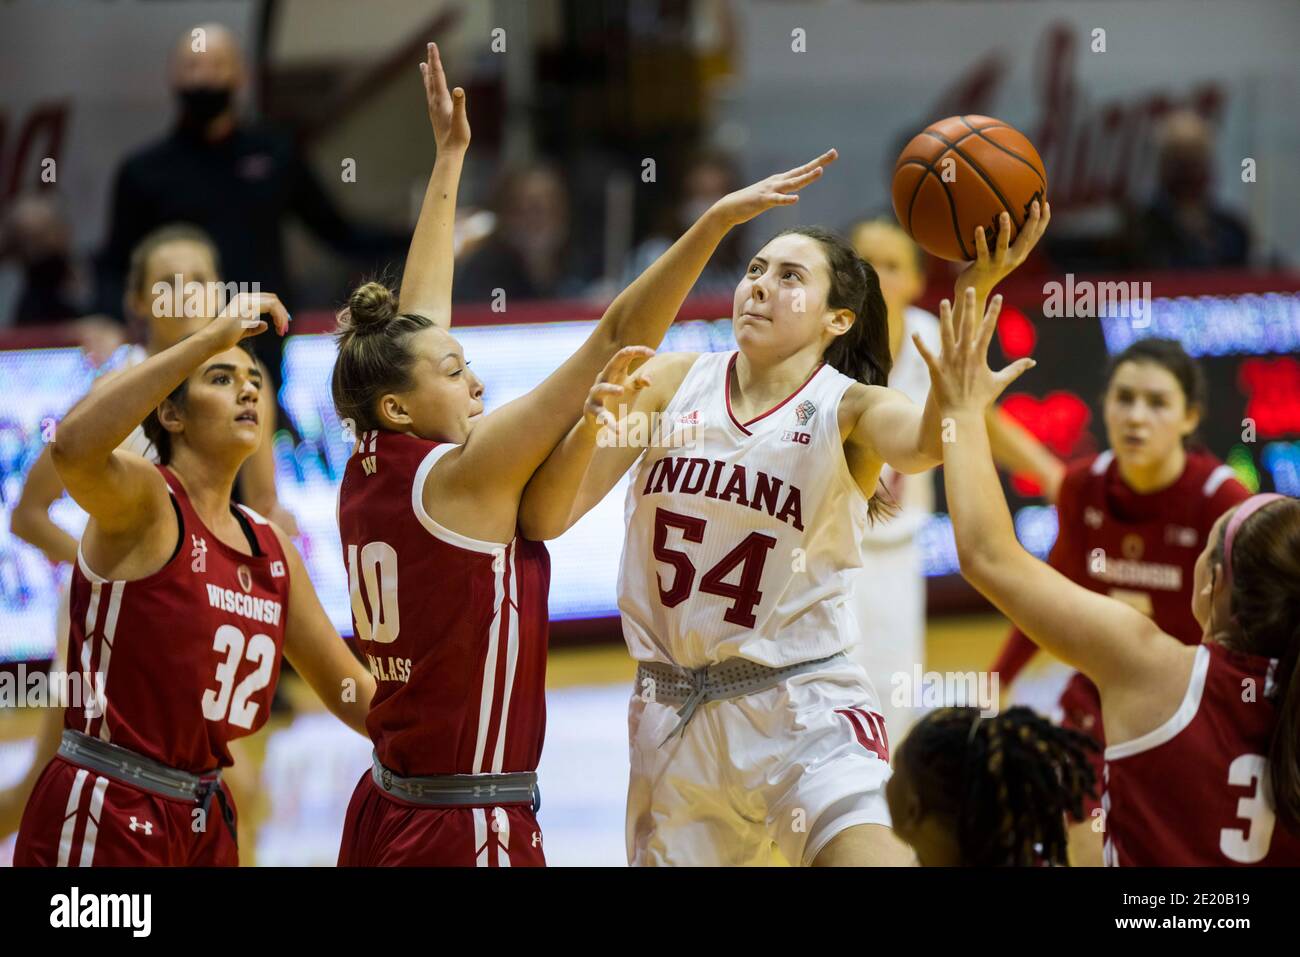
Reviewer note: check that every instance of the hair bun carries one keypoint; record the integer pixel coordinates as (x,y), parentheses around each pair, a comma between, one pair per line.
(370,307)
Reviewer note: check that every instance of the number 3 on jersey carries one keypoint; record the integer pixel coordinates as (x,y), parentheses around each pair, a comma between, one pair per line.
(750,555)
(379,570)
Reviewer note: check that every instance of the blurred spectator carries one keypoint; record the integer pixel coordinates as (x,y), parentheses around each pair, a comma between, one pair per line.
(709,176)
(1183,228)
(236,181)
(37,234)
(529,253)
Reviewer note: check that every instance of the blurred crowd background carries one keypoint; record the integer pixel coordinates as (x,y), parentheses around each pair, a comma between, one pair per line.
(299,142)
(601,129)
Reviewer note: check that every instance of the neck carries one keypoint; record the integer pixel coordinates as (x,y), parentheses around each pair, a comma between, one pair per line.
(761,382)
(1155,477)
(208,483)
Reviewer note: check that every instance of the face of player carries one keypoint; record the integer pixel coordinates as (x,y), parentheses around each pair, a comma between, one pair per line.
(219,417)
(1146,415)
(446,398)
(925,834)
(1210,598)
(780,306)
(890,253)
(168,291)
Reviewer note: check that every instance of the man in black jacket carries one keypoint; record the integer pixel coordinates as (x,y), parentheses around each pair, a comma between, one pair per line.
(236,181)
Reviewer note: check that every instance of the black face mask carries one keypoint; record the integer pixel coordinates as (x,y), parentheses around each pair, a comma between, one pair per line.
(201,104)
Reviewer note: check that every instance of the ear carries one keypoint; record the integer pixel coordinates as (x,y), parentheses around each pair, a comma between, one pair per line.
(393,413)
(170,416)
(839,321)
(1191,420)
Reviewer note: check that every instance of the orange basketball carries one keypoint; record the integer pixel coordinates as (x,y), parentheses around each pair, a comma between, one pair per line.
(960,173)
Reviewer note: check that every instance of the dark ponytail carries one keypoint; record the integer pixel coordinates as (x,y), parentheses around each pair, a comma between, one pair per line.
(1265,605)
(375,357)
(862,353)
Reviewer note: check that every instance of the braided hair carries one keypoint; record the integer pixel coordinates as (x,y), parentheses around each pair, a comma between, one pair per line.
(1006,782)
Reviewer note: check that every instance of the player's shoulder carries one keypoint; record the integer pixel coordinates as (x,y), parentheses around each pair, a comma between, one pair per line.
(1085,471)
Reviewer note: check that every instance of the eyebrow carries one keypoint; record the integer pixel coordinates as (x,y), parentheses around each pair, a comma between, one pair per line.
(784,264)
(231,367)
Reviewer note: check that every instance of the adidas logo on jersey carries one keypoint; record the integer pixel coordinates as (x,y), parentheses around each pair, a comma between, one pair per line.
(690,418)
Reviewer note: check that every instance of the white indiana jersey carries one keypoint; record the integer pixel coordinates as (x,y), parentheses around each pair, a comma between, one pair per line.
(744,542)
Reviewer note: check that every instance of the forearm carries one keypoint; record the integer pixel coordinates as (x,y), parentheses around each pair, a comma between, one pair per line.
(427,278)
(100,423)
(36,529)
(642,313)
(981,520)
(547,508)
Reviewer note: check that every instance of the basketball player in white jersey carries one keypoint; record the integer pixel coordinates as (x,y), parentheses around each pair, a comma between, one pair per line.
(891,646)
(750,729)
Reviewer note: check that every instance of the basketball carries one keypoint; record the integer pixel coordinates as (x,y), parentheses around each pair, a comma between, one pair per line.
(960,173)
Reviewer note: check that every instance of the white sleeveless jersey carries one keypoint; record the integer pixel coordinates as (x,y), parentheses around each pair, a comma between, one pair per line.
(742,543)
(137,442)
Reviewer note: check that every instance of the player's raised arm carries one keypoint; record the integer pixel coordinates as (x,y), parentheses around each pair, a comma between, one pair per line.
(908,437)
(426,280)
(514,440)
(1105,639)
(122,491)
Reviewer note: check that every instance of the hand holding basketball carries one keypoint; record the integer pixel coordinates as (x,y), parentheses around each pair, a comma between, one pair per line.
(960,376)
(780,189)
(988,269)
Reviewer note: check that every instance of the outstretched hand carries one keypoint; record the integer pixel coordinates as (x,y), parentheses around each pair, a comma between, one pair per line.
(245,316)
(779,189)
(960,376)
(616,382)
(446,109)
(990,268)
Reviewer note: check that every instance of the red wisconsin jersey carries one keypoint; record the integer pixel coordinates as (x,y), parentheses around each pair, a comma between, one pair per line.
(1141,549)
(454,629)
(1195,791)
(187,659)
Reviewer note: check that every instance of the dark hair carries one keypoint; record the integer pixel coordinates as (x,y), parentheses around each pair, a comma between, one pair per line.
(1170,355)
(374,353)
(1006,782)
(158,436)
(1265,605)
(862,353)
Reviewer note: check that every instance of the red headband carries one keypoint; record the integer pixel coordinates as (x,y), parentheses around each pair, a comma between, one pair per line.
(1243,512)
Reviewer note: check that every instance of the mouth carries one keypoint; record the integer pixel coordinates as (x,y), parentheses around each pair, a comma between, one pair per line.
(249,417)
(1134,441)
(754,317)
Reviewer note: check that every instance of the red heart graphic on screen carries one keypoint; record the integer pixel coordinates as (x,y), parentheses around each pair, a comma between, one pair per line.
(1057,420)
(1016,334)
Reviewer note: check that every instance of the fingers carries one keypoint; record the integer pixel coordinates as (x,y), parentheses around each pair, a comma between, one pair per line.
(930,361)
(830,156)
(964,321)
(1004,235)
(1010,374)
(617,366)
(947,342)
(988,326)
(981,246)
(1029,233)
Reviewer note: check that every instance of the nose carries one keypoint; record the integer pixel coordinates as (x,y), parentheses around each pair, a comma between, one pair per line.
(758,290)
(476,386)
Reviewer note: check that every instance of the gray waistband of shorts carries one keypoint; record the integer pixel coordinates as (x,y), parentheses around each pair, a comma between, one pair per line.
(692,687)
(124,765)
(459,790)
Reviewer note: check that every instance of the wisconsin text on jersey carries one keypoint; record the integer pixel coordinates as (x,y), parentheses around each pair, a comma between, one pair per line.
(759,491)
(266,610)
